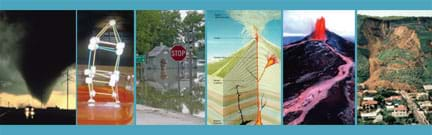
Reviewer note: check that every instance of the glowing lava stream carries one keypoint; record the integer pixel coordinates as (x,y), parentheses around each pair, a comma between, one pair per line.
(317,92)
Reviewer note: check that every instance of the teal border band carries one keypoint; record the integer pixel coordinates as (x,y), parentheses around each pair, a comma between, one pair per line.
(355,68)
(135,67)
(206,69)
(214,4)
(76,67)
(217,130)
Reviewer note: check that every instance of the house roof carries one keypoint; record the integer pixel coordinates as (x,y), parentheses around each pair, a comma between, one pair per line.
(391,98)
(427,87)
(368,98)
(157,50)
(372,91)
(369,102)
(401,108)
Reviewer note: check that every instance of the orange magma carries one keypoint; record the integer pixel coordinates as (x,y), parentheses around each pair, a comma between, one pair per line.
(104,111)
(258,120)
(320,30)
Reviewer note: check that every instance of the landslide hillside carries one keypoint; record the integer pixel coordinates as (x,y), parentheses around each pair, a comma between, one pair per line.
(394,52)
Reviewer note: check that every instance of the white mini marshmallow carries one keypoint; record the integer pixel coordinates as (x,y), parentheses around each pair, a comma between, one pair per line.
(112,22)
(91,101)
(120,45)
(119,51)
(112,82)
(86,71)
(114,78)
(117,75)
(114,95)
(92,93)
(94,40)
(92,47)
(93,69)
(89,80)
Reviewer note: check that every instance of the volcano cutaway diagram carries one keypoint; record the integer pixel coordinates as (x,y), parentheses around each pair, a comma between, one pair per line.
(244,77)
(318,77)
(37,67)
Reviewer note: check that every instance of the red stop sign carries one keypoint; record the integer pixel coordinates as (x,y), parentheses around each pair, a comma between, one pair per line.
(178,53)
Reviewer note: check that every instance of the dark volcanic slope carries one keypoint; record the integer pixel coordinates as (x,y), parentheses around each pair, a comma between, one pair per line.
(316,61)
(306,65)
(309,62)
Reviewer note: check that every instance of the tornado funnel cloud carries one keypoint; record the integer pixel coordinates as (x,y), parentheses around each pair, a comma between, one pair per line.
(38,57)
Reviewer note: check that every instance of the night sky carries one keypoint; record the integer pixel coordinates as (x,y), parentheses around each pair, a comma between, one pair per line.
(91,22)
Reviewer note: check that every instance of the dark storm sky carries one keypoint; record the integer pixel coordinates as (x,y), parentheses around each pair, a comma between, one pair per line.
(48,47)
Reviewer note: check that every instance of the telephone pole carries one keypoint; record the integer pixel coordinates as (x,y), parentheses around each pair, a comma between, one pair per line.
(190,39)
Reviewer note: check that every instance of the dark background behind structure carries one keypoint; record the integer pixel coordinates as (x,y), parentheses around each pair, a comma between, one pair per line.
(91,22)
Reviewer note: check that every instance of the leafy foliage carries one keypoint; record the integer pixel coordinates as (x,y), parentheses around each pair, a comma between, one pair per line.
(391,54)
(155,27)
(363,68)
(410,76)
(427,74)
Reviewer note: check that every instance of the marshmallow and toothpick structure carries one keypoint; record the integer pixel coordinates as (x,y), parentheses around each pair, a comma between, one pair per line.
(111,78)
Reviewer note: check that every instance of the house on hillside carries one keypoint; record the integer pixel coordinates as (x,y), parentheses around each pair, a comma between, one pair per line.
(369,105)
(427,87)
(422,96)
(400,111)
(426,106)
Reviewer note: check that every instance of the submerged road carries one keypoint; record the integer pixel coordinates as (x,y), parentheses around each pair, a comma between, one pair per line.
(310,97)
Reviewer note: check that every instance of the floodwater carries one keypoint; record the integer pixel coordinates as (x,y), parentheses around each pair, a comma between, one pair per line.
(166,89)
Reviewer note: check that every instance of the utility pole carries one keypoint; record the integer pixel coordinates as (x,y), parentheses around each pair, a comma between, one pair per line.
(67,89)
(190,39)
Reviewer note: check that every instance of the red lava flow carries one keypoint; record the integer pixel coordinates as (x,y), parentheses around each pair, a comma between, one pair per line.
(317,92)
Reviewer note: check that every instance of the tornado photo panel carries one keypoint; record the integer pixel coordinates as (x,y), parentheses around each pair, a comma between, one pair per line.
(318,56)
(394,55)
(105,67)
(244,70)
(170,67)
(37,67)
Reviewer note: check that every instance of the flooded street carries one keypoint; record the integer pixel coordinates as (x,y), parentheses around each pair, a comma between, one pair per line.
(166,97)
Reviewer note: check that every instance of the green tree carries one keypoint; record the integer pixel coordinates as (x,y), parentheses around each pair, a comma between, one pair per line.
(155,27)
(363,68)
(167,27)
(430,117)
(148,24)
(390,119)
(194,20)
(171,24)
